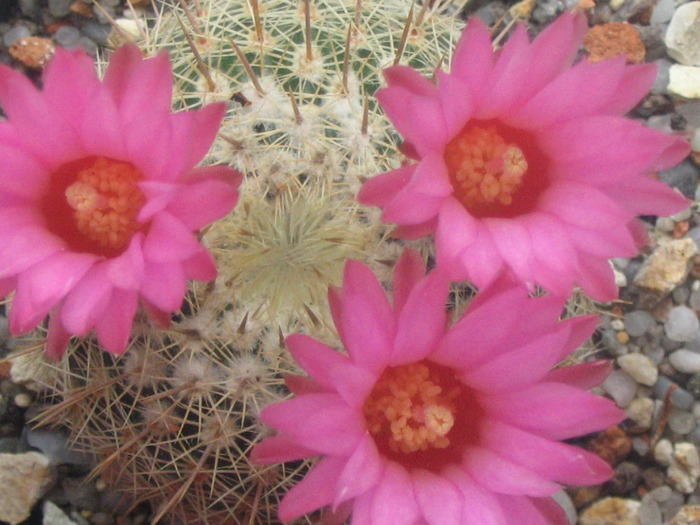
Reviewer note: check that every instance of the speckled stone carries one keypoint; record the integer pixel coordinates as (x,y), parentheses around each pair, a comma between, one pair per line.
(687,515)
(640,368)
(666,267)
(611,511)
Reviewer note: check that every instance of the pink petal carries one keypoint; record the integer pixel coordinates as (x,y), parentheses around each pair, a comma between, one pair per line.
(28,246)
(208,194)
(381,189)
(646,196)
(367,319)
(409,269)
(499,475)
(439,500)
(200,267)
(393,500)
(597,278)
(137,84)
(331,369)
(524,510)
(164,285)
(194,132)
(422,321)
(412,207)
(415,231)
(158,195)
(549,459)
(7,286)
(69,80)
(316,490)
(553,410)
(473,57)
(584,376)
(633,87)
(100,129)
(509,75)
(457,105)
(299,385)
(321,422)
(456,229)
(86,303)
(480,505)
(514,245)
(128,269)
(430,177)
(145,140)
(279,449)
(526,364)
(362,472)
(57,337)
(113,329)
(22,174)
(169,240)
(362,509)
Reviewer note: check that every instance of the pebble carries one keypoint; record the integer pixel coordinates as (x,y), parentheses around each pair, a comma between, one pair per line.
(680,295)
(681,422)
(663,12)
(683,176)
(687,515)
(682,324)
(621,387)
(24,479)
(612,39)
(53,515)
(97,32)
(638,322)
(683,34)
(679,397)
(640,368)
(67,36)
(649,512)
(667,266)
(59,8)
(611,511)
(685,361)
(626,478)
(641,411)
(684,81)
(684,470)
(663,452)
(13,34)
(694,299)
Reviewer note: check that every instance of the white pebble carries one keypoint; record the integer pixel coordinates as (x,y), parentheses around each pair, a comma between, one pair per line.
(683,35)
(640,368)
(641,411)
(682,324)
(638,322)
(23,400)
(621,387)
(684,471)
(663,452)
(685,361)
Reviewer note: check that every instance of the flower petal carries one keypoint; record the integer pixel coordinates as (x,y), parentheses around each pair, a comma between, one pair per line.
(362,472)
(393,500)
(439,500)
(113,329)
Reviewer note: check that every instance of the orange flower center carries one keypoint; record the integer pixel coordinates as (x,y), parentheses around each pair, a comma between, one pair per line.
(483,167)
(411,409)
(495,170)
(94,204)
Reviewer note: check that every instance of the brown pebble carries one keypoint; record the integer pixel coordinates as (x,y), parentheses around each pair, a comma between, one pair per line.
(623,338)
(33,51)
(612,445)
(687,515)
(81,8)
(613,39)
(582,496)
(680,229)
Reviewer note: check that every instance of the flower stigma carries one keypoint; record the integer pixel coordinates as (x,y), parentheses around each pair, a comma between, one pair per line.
(484,168)
(411,409)
(106,200)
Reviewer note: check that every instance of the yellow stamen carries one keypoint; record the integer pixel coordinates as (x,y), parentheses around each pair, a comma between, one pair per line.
(411,408)
(483,167)
(106,202)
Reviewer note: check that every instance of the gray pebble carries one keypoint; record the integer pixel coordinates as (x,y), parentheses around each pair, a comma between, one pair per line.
(679,397)
(694,299)
(29,7)
(663,11)
(621,387)
(88,45)
(13,34)
(682,324)
(681,422)
(60,8)
(681,295)
(638,322)
(683,176)
(650,512)
(100,14)
(97,32)
(67,36)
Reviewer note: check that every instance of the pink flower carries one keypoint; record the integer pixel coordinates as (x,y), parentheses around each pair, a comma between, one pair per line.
(99,197)
(421,423)
(524,161)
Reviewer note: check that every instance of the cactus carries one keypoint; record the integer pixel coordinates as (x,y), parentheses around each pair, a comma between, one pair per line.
(171,422)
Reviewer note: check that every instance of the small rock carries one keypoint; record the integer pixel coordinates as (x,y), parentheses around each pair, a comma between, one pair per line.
(663,12)
(682,324)
(684,81)
(32,51)
(24,479)
(681,422)
(59,8)
(687,515)
(613,445)
(683,34)
(685,361)
(621,387)
(640,368)
(641,411)
(612,39)
(611,511)
(666,267)
(663,452)
(13,34)
(67,36)
(53,515)
(638,322)
(679,397)
(649,512)
(684,471)
(626,478)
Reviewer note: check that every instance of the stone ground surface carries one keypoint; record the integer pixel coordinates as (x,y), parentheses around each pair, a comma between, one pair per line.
(652,333)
